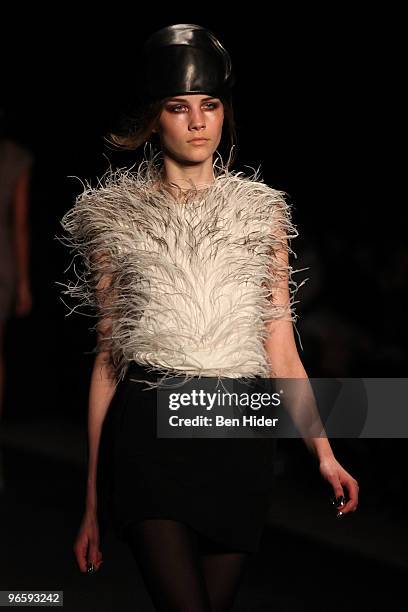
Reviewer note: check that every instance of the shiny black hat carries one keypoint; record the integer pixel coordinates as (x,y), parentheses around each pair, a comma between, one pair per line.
(185,59)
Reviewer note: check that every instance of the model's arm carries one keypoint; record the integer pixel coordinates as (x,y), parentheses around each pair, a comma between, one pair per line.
(102,389)
(86,546)
(285,362)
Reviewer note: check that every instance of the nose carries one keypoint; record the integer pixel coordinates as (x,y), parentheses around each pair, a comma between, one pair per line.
(197,120)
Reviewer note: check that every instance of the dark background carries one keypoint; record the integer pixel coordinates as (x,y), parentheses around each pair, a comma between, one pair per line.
(317,106)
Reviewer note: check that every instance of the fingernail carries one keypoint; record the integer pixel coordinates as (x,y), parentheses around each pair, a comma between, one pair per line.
(91,568)
(338,501)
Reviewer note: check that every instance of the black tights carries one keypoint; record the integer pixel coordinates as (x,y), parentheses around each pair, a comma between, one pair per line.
(177,577)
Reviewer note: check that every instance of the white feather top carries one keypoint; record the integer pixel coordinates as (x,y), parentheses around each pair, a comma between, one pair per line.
(187,285)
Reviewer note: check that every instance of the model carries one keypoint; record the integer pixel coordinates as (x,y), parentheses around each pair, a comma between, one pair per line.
(185,265)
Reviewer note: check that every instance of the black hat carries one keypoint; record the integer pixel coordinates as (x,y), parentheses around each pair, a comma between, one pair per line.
(185,59)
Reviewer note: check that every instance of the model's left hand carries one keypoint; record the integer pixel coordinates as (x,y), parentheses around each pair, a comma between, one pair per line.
(340,480)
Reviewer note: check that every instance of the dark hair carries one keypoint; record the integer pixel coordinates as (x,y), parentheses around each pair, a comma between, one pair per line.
(135,127)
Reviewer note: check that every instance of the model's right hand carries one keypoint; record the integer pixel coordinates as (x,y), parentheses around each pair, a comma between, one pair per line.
(86,546)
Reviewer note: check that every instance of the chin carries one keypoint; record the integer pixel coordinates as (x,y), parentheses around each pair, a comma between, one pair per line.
(190,154)
(202,151)
(197,155)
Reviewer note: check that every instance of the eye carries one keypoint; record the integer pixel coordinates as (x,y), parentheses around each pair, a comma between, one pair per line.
(176,108)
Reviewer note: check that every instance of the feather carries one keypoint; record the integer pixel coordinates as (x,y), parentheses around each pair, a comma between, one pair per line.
(191,279)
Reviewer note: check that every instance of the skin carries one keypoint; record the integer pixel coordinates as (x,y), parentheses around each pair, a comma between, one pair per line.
(182,119)
(179,122)
(282,352)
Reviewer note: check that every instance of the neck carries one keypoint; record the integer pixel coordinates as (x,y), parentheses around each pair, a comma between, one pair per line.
(186,177)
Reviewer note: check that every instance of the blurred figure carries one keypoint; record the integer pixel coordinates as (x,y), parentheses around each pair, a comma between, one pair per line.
(15,294)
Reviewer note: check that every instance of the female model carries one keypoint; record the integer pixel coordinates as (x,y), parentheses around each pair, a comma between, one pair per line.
(186,266)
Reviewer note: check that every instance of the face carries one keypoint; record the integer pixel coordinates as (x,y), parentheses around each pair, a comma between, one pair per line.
(186,118)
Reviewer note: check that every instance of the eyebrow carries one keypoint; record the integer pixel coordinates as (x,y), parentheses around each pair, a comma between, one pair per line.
(184,99)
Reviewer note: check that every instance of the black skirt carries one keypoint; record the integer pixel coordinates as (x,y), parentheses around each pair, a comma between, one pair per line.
(221,487)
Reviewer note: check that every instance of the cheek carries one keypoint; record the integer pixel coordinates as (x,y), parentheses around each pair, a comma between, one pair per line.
(217,123)
(174,128)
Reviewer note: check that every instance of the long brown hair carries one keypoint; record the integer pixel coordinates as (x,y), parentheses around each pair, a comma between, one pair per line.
(135,127)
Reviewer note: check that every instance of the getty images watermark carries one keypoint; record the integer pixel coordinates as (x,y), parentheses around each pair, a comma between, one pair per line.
(283,408)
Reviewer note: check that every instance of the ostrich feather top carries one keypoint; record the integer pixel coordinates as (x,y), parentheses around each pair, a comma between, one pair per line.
(186,284)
